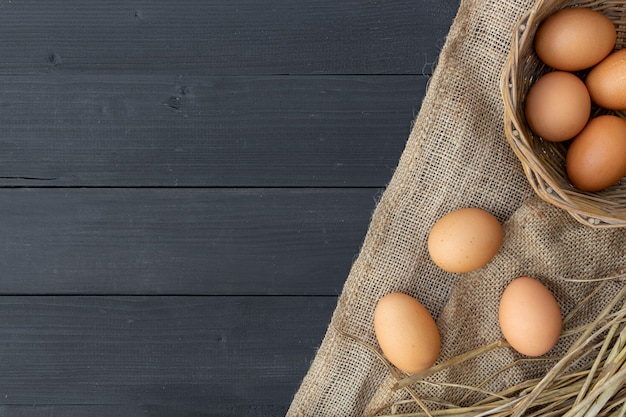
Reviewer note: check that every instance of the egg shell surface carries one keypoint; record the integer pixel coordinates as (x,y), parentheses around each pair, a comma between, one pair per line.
(574,39)
(529,316)
(406,332)
(606,82)
(557,106)
(596,158)
(465,240)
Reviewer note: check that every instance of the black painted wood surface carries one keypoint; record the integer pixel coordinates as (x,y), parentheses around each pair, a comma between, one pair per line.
(110,130)
(198,241)
(233,352)
(184,186)
(223,37)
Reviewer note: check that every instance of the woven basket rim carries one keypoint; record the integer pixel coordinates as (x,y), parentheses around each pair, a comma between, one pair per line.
(599,210)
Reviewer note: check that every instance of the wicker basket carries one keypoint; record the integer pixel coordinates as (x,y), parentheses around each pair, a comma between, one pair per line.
(543,161)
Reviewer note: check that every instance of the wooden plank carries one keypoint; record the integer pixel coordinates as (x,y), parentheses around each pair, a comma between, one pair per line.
(224,36)
(232,353)
(109,130)
(139,410)
(180,241)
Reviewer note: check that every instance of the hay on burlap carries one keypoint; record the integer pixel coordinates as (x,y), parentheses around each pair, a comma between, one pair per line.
(456,156)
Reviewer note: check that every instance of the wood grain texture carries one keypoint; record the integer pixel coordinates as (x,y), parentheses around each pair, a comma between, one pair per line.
(234,353)
(224,36)
(108,130)
(180,241)
(140,410)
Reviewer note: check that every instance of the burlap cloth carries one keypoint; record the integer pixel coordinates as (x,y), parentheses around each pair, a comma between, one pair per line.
(456,156)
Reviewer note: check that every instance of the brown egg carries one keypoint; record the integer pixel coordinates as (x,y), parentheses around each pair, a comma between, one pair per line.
(406,332)
(575,38)
(596,158)
(464,240)
(558,106)
(606,82)
(530,318)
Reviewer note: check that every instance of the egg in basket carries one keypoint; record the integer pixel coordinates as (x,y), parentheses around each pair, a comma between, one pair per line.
(564,92)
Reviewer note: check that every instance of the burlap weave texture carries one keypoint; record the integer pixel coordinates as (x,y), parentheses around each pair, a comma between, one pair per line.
(456,156)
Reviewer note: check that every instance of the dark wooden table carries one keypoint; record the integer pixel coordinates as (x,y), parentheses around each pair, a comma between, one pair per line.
(183,188)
